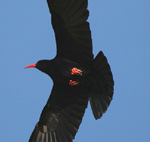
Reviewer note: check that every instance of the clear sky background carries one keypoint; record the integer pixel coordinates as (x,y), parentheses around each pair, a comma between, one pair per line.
(120,28)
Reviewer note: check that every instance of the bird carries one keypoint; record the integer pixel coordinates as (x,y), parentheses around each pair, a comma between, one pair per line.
(78,77)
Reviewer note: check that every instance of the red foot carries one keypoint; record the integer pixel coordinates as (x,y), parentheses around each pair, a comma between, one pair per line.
(73,83)
(76,71)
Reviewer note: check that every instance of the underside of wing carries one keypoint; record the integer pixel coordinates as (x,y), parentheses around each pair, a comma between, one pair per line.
(72,32)
(61,117)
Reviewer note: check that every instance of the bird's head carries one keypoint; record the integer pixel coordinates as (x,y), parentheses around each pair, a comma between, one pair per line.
(42,65)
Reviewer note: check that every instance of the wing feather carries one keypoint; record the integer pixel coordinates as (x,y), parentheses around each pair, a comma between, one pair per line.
(60,124)
(72,32)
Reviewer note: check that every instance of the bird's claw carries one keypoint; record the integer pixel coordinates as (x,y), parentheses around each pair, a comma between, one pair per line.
(76,71)
(73,83)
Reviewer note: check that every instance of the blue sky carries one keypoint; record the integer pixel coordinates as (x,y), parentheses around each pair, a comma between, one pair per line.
(121,29)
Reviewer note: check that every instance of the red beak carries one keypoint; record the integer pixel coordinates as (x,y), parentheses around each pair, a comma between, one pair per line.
(30,66)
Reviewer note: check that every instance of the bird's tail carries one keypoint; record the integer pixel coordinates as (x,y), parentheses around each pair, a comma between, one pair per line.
(102,88)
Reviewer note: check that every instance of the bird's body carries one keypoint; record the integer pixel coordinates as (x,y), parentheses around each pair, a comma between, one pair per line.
(59,69)
(77,76)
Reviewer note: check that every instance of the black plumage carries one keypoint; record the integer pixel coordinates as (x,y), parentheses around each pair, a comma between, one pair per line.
(77,77)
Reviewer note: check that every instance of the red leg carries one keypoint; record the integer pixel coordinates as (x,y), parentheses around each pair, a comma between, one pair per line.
(76,71)
(73,83)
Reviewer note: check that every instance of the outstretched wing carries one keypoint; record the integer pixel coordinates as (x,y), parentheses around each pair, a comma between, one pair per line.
(62,115)
(72,32)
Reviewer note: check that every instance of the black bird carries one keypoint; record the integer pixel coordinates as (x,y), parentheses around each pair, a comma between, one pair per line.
(77,77)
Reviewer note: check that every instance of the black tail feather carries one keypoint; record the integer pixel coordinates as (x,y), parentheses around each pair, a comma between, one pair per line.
(102,89)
